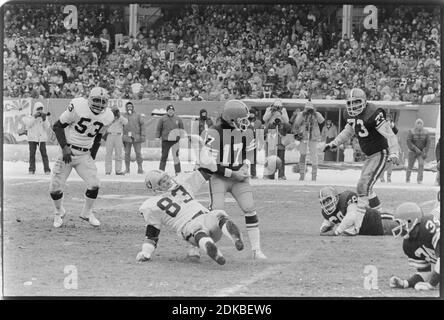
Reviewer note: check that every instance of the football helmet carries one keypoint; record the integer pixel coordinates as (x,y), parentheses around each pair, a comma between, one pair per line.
(98,100)
(407,215)
(158,180)
(236,113)
(329,198)
(356,102)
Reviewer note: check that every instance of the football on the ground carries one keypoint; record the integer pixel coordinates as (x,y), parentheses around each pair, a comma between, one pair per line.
(272,163)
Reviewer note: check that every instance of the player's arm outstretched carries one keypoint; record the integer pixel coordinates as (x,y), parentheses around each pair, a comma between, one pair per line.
(349,224)
(345,135)
(151,233)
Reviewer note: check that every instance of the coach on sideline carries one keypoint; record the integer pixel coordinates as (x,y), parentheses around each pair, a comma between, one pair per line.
(114,141)
(165,126)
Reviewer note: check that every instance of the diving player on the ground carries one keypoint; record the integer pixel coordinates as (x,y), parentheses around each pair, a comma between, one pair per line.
(377,141)
(421,233)
(341,216)
(176,208)
(232,144)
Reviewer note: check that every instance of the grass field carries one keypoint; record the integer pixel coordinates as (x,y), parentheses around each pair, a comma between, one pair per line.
(38,258)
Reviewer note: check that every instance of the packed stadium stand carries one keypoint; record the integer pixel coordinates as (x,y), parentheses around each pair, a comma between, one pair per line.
(221,52)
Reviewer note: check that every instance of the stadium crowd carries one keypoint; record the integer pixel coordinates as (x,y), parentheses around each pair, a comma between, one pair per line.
(221,52)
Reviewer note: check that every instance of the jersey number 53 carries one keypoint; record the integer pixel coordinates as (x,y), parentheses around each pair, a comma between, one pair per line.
(83,124)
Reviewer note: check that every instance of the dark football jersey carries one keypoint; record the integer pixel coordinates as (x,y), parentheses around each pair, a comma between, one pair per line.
(345,198)
(230,146)
(422,245)
(365,127)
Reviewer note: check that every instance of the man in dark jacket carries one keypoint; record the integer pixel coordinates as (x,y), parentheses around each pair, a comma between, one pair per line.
(133,135)
(204,121)
(418,142)
(169,130)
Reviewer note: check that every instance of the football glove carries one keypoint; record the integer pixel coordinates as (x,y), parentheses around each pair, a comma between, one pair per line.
(424,286)
(393,158)
(67,153)
(398,283)
(330,146)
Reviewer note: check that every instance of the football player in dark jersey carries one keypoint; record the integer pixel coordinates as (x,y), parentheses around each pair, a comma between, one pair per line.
(232,144)
(421,233)
(342,217)
(376,139)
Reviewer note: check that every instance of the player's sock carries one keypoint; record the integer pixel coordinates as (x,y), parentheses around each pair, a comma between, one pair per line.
(57,200)
(230,230)
(252,223)
(90,197)
(362,204)
(373,202)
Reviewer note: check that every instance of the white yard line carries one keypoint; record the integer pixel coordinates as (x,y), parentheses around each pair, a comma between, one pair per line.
(27,182)
(265,274)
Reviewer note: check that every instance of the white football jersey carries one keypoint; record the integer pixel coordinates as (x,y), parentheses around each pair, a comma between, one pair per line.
(84,125)
(176,207)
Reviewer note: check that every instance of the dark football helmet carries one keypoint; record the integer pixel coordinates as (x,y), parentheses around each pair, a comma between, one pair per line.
(407,215)
(236,113)
(356,102)
(329,198)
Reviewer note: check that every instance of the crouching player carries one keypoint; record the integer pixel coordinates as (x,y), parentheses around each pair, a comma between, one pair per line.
(342,217)
(175,207)
(421,233)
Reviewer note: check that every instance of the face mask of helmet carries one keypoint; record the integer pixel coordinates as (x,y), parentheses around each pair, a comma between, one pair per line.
(98,104)
(159,181)
(355,106)
(329,200)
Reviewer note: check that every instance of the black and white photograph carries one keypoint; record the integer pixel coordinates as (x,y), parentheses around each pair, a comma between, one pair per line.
(221,150)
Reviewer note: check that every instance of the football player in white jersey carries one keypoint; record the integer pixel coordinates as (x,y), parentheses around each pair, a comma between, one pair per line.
(174,206)
(79,131)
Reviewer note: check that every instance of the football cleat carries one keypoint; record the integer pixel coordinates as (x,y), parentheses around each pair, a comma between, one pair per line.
(214,253)
(407,215)
(235,234)
(143,256)
(356,102)
(98,100)
(58,218)
(235,113)
(259,255)
(91,219)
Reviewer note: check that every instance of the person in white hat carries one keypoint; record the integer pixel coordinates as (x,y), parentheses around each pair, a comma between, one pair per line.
(37,126)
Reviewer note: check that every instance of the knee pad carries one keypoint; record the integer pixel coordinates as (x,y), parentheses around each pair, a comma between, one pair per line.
(92,193)
(56,195)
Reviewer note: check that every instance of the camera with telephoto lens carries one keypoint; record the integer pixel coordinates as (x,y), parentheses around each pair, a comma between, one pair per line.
(277,121)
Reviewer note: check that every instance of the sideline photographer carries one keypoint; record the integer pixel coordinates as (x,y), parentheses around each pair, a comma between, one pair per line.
(308,122)
(275,133)
(114,141)
(37,127)
(275,110)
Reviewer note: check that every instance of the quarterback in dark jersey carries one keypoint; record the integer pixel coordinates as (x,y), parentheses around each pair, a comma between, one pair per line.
(341,216)
(232,144)
(421,233)
(376,139)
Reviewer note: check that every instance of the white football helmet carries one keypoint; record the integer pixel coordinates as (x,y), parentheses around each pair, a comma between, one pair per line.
(356,102)
(236,113)
(329,198)
(98,100)
(158,180)
(408,215)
